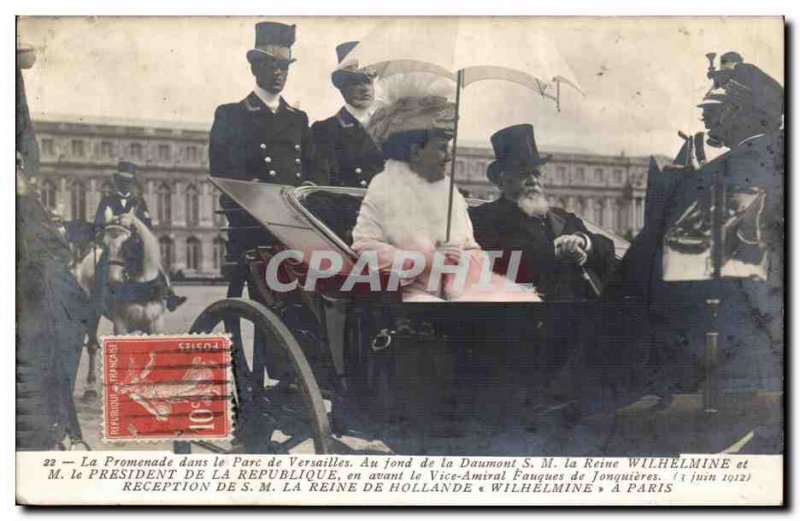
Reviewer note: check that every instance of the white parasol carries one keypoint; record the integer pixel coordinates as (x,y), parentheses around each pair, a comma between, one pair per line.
(465,50)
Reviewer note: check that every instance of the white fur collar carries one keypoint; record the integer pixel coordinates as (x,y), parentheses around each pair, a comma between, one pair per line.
(414,210)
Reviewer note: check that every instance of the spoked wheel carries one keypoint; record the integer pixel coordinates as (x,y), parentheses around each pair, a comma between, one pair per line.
(274,414)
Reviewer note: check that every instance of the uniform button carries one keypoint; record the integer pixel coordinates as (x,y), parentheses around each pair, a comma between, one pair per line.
(363,183)
(297,147)
(297,175)
(268,159)
(297,161)
(272,173)
(263,146)
(358,170)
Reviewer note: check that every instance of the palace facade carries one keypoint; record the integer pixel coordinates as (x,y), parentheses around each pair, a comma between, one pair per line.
(78,156)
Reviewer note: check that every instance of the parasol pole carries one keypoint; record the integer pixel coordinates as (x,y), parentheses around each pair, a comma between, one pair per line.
(459,82)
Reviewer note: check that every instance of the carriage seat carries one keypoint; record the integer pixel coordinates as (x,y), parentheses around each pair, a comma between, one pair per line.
(338,211)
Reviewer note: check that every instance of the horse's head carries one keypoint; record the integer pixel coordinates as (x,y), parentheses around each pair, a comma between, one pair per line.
(123,249)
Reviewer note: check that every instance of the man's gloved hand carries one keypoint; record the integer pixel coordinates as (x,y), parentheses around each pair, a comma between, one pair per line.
(573,247)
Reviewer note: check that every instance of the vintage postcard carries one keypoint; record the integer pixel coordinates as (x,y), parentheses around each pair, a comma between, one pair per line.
(400,261)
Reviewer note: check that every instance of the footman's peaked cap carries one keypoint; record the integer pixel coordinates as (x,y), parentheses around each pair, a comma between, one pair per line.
(348,73)
(273,39)
(126,170)
(514,150)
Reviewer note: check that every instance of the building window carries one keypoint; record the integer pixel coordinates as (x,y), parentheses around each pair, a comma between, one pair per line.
(77,200)
(561,174)
(193,253)
(598,175)
(106,149)
(47,147)
(459,168)
(136,150)
(219,253)
(191,153)
(47,194)
(580,175)
(163,153)
(164,204)
(77,148)
(167,248)
(618,177)
(192,206)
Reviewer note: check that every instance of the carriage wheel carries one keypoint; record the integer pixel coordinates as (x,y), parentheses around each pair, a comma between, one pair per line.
(286,412)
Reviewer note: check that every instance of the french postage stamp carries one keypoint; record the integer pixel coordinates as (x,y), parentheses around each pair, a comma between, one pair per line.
(162,387)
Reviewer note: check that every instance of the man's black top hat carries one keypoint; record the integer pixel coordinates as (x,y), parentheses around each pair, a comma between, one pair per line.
(350,73)
(515,150)
(273,39)
(126,170)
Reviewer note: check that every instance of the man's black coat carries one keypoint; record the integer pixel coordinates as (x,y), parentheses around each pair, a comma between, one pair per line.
(249,142)
(502,226)
(119,205)
(345,150)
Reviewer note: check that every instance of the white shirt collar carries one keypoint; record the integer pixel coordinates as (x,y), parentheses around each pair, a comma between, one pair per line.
(125,195)
(272,101)
(362,115)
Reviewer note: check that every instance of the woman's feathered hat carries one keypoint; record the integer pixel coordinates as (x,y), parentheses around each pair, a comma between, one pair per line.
(411,102)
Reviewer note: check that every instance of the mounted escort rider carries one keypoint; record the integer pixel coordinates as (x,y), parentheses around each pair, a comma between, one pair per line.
(346,150)
(261,139)
(122,200)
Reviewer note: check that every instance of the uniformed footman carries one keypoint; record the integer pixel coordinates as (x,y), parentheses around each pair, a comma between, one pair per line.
(262,138)
(347,152)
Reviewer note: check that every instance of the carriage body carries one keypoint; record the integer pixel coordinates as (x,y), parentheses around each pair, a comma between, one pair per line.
(352,328)
(370,350)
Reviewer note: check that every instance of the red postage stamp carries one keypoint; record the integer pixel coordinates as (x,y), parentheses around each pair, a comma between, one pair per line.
(166,387)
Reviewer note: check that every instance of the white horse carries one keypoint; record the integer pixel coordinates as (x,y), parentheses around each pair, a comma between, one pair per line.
(128,315)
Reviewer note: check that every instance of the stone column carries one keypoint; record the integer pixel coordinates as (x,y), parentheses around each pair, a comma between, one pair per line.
(610,218)
(92,199)
(62,197)
(206,213)
(179,251)
(178,210)
(150,201)
(207,259)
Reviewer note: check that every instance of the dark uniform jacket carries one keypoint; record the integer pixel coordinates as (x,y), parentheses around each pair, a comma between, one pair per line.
(346,151)
(501,225)
(118,205)
(250,142)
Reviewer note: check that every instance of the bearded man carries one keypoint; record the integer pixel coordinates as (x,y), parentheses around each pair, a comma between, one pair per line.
(560,257)
(405,209)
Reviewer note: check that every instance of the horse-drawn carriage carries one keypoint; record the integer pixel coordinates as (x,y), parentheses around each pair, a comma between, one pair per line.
(306,363)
